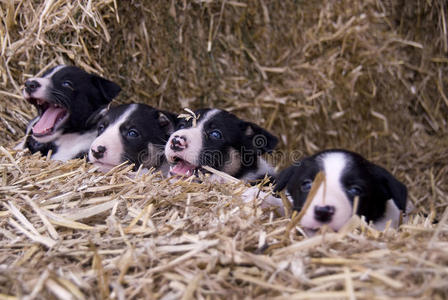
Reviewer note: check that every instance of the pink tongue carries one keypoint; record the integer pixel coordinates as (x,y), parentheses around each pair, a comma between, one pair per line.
(48,120)
(183,168)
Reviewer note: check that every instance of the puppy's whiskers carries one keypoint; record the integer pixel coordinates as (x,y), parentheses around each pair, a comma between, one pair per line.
(60,98)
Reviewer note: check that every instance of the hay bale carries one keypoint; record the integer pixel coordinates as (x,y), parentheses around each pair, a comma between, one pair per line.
(369,76)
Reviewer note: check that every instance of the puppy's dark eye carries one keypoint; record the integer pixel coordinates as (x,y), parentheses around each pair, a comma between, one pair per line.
(101,128)
(67,84)
(354,191)
(215,134)
(133,133)
(181,126)
(306,186)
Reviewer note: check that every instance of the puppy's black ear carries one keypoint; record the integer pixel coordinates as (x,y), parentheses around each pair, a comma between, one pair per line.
(391,187)
(96,116)
(166,121)
(281,181)
(258,137)
(107,88)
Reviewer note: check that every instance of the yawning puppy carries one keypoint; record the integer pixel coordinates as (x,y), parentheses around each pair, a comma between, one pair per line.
(346,175)
(219,139)
(65,98)
(136,133)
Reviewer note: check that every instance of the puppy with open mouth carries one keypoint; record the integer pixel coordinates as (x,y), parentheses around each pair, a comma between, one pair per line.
(222,141)
(135,133)
(65,97)
(346,176)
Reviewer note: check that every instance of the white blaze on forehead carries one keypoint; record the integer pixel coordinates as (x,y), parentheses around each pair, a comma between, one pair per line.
(333,194)
(210,114)
(333,167)
(111,140)
(194,136)
(56,69)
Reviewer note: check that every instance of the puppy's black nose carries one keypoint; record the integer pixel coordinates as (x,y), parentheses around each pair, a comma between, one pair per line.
(178,143)
(324,213)
(99,152)
(31,86)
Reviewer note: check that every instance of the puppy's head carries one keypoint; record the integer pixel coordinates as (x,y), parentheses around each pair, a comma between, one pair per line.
(347,175)
(65,97)
(136,133)
(218,139)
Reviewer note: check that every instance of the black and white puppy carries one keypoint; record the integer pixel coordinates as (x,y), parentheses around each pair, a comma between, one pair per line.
(66,97)
(136,133)
(218,139)
(347,175)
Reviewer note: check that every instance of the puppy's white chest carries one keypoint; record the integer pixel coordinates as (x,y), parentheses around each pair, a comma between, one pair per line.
(71,144)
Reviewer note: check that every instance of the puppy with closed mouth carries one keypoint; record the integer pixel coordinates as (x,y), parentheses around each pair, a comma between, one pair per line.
(347,175)
(219,139)
(135,133)
(65,97)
